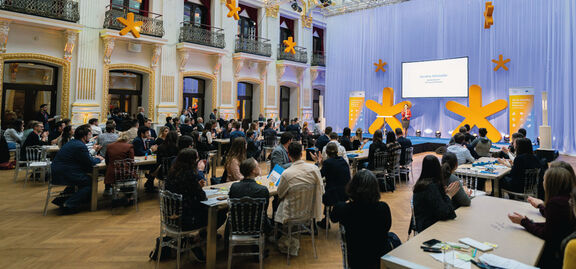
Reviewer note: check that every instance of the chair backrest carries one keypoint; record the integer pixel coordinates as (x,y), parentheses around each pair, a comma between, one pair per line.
(413,226)
(35,154)
(125,170)
(469,180)
(344,246)
(408,155)
(394,161)
(300,202)
(531,181)
(270,141)
(165,164)
(246,215)
(380,158)
(171,210)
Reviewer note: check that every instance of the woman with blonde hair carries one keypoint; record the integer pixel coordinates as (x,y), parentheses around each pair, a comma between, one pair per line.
(236,155)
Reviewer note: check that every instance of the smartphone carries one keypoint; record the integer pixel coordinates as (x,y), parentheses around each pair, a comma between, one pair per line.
(431,242)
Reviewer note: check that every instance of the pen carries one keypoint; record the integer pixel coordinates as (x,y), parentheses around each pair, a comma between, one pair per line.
(474,253)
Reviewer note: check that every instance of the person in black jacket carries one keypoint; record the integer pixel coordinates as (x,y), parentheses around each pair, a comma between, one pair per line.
(525,159)
(323,139)
(367,221)
(253,148)
(431,200)
(38,137)
(168,149)
(377,145)
(404,144)
(337,173)
(345,139)
(143,147)
(294,128)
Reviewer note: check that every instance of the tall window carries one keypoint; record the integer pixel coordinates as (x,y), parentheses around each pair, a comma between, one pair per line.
(194,93)
(284,102)
(318,40)
(316,104)
(125,91)
(286,29)
(244,103)
(195,14)
(247,24)
(25,87)
(134,6)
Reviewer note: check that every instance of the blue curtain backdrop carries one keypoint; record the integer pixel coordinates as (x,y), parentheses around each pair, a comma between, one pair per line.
(538,36)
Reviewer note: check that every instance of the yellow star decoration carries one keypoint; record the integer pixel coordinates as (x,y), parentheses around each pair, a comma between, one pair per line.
(387,108)
(233,10)
(500,63)
(130,25)
(488,20)
(289,43)
(475,114)
(380,65)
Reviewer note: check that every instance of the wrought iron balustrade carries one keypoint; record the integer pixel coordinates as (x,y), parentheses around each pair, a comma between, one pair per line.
(301,55)
(153,24)
(254,45)
(202,34)
(65,10)
(318,59)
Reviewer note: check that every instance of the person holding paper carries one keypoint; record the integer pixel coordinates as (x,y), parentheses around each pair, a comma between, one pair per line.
(558,213)
(279,155)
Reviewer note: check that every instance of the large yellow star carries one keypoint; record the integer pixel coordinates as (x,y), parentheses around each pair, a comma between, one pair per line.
(233,10)
(475,114)
(500,63)
(380,65)
(488,20)
(289,43)
(387,108)
(130,25)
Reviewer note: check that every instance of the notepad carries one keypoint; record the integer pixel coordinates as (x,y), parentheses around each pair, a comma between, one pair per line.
(475,244)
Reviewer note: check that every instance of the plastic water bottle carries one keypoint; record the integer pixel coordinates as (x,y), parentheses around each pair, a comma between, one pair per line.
(146,156)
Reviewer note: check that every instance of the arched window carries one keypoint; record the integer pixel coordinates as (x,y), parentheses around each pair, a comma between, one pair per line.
(194,93)
(125,91)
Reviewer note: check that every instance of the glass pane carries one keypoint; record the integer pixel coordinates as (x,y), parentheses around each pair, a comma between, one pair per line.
(187,12)
(194,85)
(125,81)
(198,16)
(135,5)
(43,97)
(117,3)
(14,105)
(28,73)
(316,95)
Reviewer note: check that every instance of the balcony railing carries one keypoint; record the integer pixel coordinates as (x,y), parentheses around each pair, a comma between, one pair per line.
(202,34)
(153,24)
(65,10)
(254,45)
(301,55)
(318,59)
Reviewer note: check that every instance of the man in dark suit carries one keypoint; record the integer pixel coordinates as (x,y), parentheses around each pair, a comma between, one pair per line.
(337,173)
(54,134)
(38,137)
(148,123)
(71,167)
(279,155)
(142,148)
(268,130)
(200,124)
(186,128)
(323,139)
(294,128)
(169,124)
(404,143)
(141,117)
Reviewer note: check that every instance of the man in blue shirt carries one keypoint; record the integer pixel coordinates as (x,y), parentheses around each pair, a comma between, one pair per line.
(237,132)
(71,167)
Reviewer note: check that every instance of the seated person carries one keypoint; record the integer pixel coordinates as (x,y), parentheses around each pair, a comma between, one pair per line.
(248,187)
(431,198)
(557,211)
(341,150)
(142,148)
(345,139)
(119,150)
(300,172)
(323,139)
(357,141)
(71,167)
(186,127)
(459,148)
(391,147)
(94,126)
(38,137)
(294,128)
(462,131)
(279,155)
(568,247)
(510,151)
(254,149)
(162,133)
(367,221)
(482,144)
(337,173)
(237,132)
(236,155)
(106,138)
(269,130)
(56,132)
(404,144)
(376,146)
(449,166)
(14,135)
(468,136)
(133,130)
(525,159)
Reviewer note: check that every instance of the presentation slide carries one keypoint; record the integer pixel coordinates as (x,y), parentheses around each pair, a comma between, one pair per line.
(439,78)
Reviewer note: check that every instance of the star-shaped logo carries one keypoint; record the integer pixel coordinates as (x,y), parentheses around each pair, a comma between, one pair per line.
(488,20)
(233,10)
(387,108)
(380,65)
(500,63)
(130,25)
(475,114)
(289,43)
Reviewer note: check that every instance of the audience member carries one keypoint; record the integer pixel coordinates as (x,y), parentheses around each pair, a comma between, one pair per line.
(431,198)
(294,128)
(367,221)
(254,149)
(337,174)
(133,131)
(200,124)
(237,132)
(345,139)
(404,144)
(269,130)
(28,129)
(106,138)
(185,142)
(56,133)
(96,130)
(510,151)
(236,155)
(468,136)
(525,159)
(523,132)
(67,134)
(142,143)
(38,137)
(323,139)
(341,150)
(462,131)
(119,150)
(169,124)
(449,165)
(186,128)
(482,144)
(71,167)
(376,146)
(148,123)
(459,148)
(163,132)
(14,135)
(568,247)
(279,155)
(307,136)
(357,141)
(184,115)
(213,114)
(557,211)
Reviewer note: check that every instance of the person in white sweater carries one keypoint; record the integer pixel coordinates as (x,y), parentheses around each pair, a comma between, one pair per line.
(15,134)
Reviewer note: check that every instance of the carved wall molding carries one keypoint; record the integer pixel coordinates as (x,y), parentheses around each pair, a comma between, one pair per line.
(156,54)
(217,64)
(4,30)
(109,43)
(70,36)
(184,55)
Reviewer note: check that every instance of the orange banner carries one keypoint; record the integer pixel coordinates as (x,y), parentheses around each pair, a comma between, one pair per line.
(355,109)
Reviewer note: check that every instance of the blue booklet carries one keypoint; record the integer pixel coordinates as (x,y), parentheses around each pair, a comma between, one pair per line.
(275,174)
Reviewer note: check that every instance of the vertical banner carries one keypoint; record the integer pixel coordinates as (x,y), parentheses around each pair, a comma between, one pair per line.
(522,111)
(356,110)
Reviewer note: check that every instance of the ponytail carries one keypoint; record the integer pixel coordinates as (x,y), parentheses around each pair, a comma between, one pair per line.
(449,163)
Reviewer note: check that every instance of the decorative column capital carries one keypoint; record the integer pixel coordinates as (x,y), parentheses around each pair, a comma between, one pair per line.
(263,68)
(109,43)
(280,70)
(217,64)
(272,10)
(4,30)
(307,21)
(184,56)
(239,63)
(156,53)
(71,36)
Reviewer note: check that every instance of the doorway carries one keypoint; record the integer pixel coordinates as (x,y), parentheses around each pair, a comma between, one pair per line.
(26,86)
(244,104)
(284,102)
(194,93)
(125,91)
